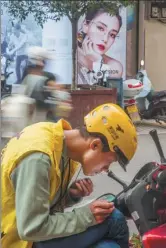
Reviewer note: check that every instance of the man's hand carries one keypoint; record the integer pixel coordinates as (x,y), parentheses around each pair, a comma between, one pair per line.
(81,188)
(89,53)
(101,209)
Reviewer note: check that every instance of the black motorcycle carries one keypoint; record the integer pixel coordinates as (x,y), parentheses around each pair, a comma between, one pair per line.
(144,199)
(153,104)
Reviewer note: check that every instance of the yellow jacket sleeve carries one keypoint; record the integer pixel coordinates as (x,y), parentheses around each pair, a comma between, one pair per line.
(34,222)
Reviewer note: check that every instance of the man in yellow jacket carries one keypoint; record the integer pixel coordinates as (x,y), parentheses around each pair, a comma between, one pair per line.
(37,167)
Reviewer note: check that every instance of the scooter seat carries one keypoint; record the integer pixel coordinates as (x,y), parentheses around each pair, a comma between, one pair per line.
(158,95)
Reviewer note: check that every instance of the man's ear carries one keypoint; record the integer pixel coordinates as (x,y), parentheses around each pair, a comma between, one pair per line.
(85,27)
(96,144)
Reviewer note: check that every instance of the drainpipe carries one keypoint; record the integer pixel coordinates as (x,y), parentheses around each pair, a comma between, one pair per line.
(141,32)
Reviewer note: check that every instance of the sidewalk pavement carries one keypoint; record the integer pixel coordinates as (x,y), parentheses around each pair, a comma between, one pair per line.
(145,126)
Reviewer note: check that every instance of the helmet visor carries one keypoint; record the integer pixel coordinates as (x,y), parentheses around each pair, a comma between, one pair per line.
(121,158)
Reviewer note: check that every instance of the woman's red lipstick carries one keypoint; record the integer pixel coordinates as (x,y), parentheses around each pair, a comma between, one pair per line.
(101,47)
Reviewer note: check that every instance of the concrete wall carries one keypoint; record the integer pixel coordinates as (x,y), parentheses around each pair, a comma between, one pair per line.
(155,53)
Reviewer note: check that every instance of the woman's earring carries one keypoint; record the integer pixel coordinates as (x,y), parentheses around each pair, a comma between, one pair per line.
(80,38)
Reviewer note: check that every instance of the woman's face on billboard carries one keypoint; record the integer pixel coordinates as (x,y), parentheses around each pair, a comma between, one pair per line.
(102,31)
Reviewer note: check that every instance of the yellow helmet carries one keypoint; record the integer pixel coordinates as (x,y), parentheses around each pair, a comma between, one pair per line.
(111,121)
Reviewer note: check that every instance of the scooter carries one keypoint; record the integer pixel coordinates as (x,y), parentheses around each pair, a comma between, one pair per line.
(131,88)
(151,105)
(144,200)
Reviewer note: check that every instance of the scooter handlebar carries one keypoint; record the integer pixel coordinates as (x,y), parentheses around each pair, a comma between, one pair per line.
(155,138)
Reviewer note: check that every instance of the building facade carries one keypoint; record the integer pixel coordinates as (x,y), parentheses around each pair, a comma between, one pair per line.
(147,40)
(155,42)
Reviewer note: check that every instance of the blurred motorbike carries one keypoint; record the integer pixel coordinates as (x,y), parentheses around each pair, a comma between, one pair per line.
(19,110)
(33,101)
(16,113)
(59,104)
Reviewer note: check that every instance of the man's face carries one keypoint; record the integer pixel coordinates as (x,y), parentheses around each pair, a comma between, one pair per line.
(95,161)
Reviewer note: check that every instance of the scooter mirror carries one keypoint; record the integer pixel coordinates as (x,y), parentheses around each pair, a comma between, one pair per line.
(142,62)
(156,140)
(117,179)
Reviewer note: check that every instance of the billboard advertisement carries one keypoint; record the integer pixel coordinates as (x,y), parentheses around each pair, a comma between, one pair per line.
(101,42)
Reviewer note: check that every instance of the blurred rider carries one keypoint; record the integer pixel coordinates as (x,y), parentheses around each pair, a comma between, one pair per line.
(41,85)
